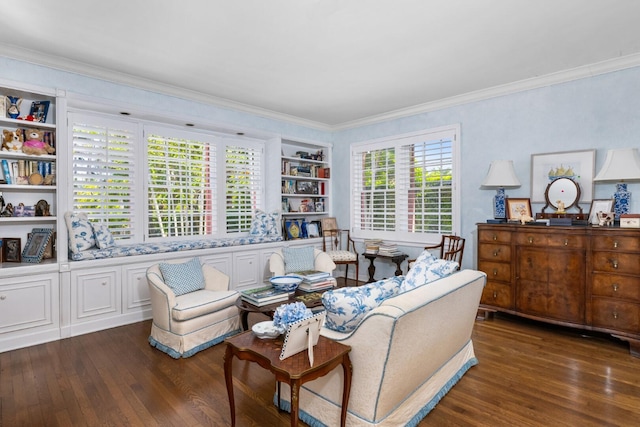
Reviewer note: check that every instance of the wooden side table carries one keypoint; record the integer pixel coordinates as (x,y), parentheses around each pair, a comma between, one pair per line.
(396,259)
(294,370)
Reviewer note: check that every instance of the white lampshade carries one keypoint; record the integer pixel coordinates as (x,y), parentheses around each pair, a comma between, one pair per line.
(620,165)
(501,174)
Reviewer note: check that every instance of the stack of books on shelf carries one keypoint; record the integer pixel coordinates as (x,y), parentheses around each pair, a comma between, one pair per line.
(316,281)
(389,249)
(264,295)
(371,246)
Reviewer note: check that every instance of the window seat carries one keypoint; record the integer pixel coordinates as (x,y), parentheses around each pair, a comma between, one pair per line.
(168,246)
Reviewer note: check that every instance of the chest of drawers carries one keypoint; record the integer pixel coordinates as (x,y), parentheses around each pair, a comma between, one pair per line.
(582,277)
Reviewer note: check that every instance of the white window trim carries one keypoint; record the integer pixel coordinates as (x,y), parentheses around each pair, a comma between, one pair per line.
(397,141)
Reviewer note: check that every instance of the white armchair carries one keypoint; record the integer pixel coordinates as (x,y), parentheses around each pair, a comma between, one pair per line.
(322,262)
(185,324)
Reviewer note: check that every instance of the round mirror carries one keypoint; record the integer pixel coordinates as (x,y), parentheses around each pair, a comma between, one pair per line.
(563,191)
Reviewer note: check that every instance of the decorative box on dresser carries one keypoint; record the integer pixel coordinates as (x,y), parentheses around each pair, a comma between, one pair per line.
(582,277)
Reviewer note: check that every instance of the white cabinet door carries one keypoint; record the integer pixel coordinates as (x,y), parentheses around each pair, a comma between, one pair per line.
(221,262)
(26,302)
(135,289)
(95,293)
(246,270)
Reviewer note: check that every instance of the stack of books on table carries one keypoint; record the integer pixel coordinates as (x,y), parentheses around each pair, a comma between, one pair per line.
(372,246)
(264,295)
(389,249)
(316,281)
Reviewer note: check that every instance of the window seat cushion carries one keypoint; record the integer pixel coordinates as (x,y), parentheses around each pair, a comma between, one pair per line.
(168,246)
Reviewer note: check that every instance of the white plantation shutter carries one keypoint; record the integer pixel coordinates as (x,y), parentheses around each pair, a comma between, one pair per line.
(404,187)
(181,183)
(244,184)
(104,171)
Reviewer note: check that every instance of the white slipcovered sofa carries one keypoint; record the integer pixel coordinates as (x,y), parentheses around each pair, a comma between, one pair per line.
(407,353)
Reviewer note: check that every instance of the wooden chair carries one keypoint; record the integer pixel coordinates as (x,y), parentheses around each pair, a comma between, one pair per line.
(451,249)
(341,249)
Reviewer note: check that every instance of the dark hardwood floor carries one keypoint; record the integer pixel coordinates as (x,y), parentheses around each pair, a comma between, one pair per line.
(530,374)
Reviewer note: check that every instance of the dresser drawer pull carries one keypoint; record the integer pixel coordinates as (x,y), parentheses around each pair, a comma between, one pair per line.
(495,294)
(615,244)
(566,242)
(495,237)
(615,315)
(496,252)
(495,271)
(530,239)
(615,287)
(614,263)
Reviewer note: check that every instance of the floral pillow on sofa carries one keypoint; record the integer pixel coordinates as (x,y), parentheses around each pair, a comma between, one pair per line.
(427,268)
(346,307)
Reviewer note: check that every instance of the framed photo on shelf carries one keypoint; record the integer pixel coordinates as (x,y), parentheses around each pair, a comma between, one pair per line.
(306,187)
(11,249)
(313,229)
(599,205)
(517,208)
(576,165)
(39,111)
(36,245)
(293,229)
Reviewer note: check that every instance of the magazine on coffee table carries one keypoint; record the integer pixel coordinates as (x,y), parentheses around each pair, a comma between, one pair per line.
(302,335)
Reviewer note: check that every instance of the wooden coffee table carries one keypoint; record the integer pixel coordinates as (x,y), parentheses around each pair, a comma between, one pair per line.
(294,370)
(269,309)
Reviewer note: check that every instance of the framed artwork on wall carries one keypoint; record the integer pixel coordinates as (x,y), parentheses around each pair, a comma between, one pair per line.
(576,165)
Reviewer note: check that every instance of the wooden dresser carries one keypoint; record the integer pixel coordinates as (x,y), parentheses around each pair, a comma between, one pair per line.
(582,277)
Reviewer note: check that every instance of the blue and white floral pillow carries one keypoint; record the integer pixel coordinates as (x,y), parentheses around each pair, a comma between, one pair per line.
(81,235)
(426,269)
(103,236)
(346,307)
(265,224)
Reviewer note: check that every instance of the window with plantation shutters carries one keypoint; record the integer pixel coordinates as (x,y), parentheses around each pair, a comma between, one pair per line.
(105,172)
(243,190)
(181,187)
(404,187)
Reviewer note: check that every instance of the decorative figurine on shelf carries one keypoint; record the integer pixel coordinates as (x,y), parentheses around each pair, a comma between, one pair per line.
(35,144)
(525,219)
(12,140)
(8,211)
(42,208)
(560,205)
(605,219)
(13,109)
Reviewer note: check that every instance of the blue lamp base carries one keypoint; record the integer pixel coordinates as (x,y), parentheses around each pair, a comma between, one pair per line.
(499,210)
(622,199)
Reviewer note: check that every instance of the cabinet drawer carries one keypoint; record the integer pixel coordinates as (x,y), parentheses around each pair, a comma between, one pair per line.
(615,314)
(495,252)
(613,285)
(614,262)
(497,295)
(494,236)
(500,271)
(616,243)
(552,240)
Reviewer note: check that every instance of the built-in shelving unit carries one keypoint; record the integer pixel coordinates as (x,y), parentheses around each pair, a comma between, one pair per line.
(26,178)
(306,189)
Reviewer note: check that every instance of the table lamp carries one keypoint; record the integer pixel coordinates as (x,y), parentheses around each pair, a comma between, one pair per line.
(620,165)
(501,174)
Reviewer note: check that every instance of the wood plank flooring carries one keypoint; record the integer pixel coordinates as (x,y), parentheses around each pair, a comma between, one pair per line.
(530,374)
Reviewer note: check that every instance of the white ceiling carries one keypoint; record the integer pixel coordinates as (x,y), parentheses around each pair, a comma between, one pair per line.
(328,63)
